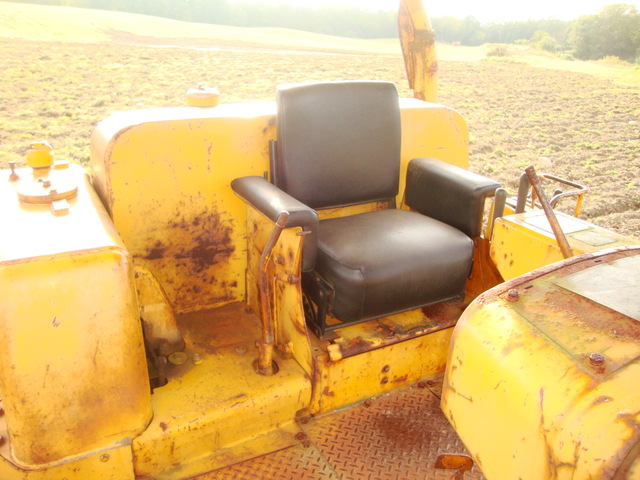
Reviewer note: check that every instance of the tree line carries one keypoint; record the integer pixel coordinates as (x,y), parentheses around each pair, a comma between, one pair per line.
(614,31)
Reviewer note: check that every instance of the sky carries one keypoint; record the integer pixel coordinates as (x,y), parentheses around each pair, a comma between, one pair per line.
(486,10)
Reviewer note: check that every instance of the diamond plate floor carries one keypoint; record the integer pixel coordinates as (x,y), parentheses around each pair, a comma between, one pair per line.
(396,437)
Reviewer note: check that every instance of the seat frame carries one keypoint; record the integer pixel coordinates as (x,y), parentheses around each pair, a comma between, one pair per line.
(436,189)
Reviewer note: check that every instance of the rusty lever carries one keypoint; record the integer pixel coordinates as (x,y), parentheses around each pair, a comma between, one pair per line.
(548,211)
(265,345)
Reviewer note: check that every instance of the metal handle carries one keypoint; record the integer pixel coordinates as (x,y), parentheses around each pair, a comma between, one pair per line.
(523,192)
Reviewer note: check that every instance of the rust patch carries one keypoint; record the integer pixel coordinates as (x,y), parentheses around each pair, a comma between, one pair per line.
(355,346)
(208,241)
(454,462)
(400,380)
(303,420)
(328,392)
(563,316)
(209,247)
(190,252)
(386,331)
(231,325)
(620,464)
(403,432)
(300,326)
(156,252)
(444,314)
(511,347)
(602,399)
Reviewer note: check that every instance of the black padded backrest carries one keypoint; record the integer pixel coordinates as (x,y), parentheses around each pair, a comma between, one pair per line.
(338,142)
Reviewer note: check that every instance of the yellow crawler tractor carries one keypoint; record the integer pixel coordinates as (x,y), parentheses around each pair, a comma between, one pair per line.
(315,287)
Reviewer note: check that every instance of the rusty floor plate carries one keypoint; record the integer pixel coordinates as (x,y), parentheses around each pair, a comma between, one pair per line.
(398,436)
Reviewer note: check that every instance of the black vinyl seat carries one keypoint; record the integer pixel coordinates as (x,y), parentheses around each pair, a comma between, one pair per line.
(338,144)
(390,261)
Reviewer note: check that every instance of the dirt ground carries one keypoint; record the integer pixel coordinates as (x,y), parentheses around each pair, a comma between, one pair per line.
(573,125)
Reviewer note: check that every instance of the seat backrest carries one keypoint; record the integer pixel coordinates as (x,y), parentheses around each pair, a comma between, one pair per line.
(338,143)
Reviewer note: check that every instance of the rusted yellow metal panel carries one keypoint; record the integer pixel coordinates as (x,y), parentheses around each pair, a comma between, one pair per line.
(432,130)
(539,381)
(524,242)
(73,372)
(114,463)
(292,335)
(220,411)
(159,324)
(350,368)
(360,361)
(164,175)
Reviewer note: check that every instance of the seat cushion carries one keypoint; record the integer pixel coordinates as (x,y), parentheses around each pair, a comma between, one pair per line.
(389,261)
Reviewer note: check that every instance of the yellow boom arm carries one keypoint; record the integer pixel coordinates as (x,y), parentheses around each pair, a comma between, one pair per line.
(418,42)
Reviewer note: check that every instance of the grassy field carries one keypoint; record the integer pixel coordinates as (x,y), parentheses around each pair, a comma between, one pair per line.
(63,70)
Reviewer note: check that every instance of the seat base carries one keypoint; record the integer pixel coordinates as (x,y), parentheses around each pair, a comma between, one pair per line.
(385,262)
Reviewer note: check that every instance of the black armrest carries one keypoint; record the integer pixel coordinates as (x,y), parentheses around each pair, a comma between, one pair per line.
(448,193)
(271,201)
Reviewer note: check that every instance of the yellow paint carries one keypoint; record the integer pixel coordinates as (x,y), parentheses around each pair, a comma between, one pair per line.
(202,96)
(431,130)
(72,366)
(113,463)
(342,381)
(337,384)
(220,412)
(521,392)
(353,379)
(418,42)
(164,176)
(159,323)
(524,242)
(40,155)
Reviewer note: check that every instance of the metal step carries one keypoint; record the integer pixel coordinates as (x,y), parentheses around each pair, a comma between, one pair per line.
(403,435)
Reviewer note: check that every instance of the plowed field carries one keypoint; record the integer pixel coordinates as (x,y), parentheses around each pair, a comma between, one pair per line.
(572,124)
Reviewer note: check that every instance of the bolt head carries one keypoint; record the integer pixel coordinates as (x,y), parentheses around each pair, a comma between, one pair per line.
(596,359)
